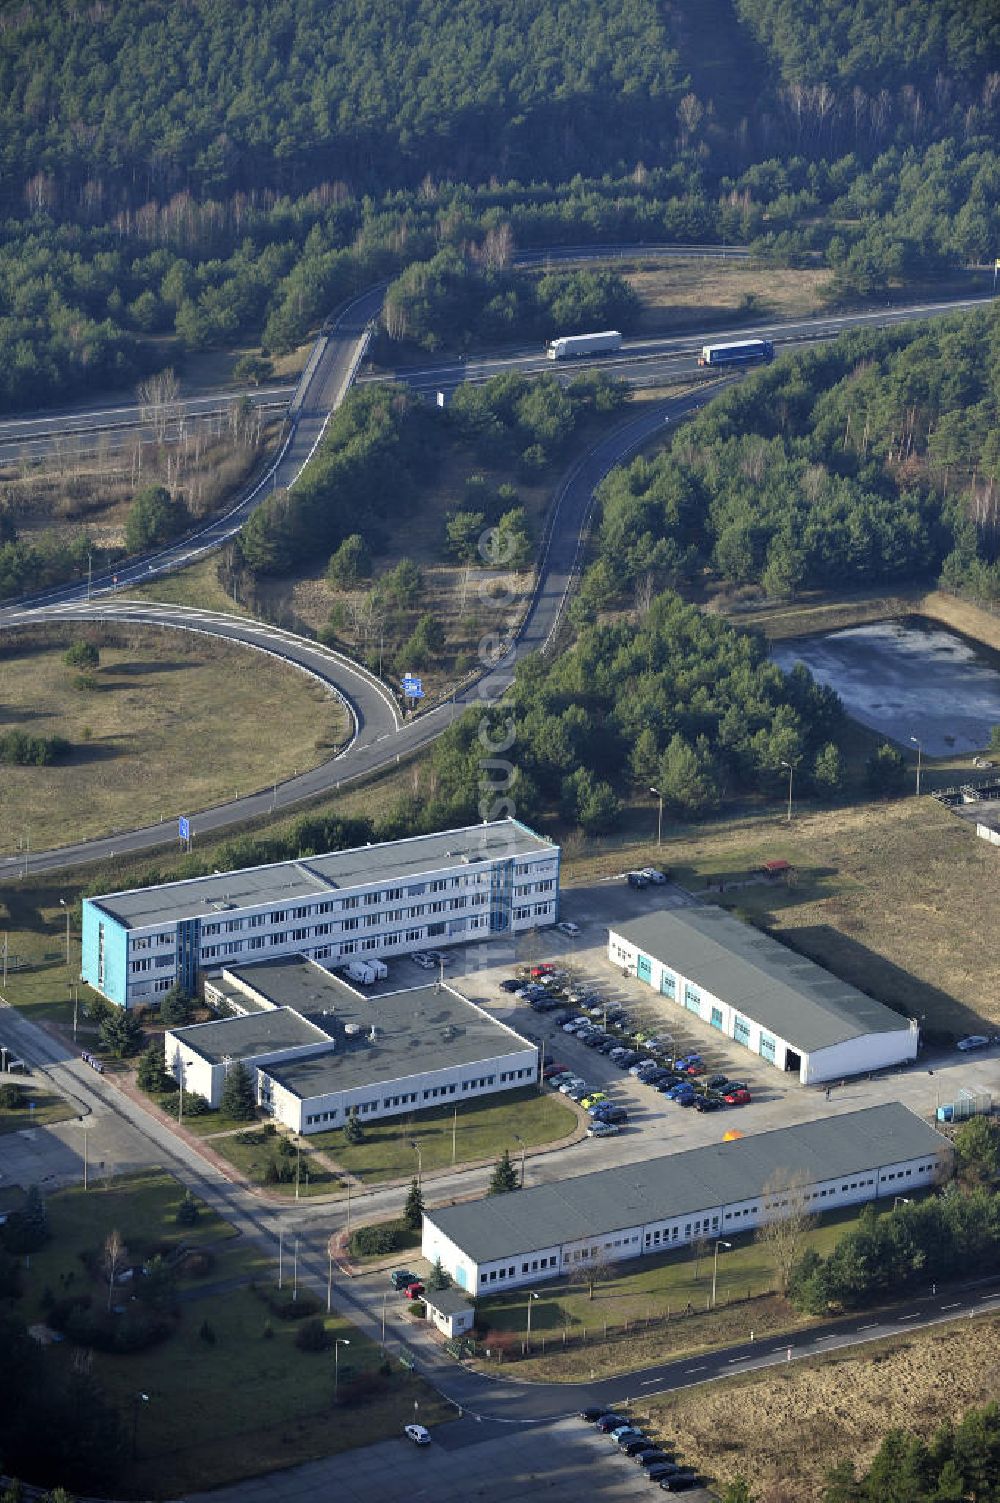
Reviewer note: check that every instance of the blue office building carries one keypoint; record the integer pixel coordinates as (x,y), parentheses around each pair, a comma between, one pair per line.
(396,898)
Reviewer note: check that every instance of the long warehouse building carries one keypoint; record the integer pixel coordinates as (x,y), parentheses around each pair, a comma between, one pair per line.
(628,1212)
(391,899)
(758,992)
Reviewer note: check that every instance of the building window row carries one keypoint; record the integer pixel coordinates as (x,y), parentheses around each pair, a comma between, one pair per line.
(516,1074)
(404,1100)
(477,1085)
(538,1263)
(329,1116)
(433,1092)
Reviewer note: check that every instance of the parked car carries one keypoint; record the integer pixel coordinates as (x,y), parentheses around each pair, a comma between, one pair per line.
(560,1078)
(609,1421)
(633,1447)
(577,1093)
(651,1458)
(637,879)
(626,1432)
(423,961)
(616,1115)
(708,1103)
(630,1057)
(414,1290)
(972,1041)
(592,1414)
(511,984)
(662,1469)
(438,957)
(402,1278)
(679,1482)
(545,969)
(417,1434)
(716,1082)
(738,1098)
(600,1129)
(569,1086)
(553,1068)
(593,1098)
(567,928)
(653,874)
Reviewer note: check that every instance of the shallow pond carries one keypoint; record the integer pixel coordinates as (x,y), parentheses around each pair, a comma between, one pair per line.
(909,678)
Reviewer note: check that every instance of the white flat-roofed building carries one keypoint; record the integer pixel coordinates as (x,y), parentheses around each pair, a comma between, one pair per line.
(374,901)
(758,992)
(531,1236)
(319,1048)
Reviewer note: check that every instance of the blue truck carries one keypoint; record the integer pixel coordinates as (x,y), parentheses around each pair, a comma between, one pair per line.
(741,352)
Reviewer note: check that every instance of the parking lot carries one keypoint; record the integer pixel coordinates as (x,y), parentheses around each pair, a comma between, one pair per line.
(491,1462)
(656,1125)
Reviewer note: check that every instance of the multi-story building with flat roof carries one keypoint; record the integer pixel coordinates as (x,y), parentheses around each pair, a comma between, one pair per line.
(382,900)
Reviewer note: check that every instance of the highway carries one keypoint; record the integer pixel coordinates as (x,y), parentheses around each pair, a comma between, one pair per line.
(647,362)
(380,737)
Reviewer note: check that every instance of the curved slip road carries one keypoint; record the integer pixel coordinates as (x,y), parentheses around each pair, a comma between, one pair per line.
(380,736)
(379,739)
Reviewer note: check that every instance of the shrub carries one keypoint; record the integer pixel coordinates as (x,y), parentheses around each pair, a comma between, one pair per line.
(282,1303)
(372,1241)
(187,1211)
(195,1104)
(12,1097)
(195,1265)
(311,1336)
(417,1308)
(82,655)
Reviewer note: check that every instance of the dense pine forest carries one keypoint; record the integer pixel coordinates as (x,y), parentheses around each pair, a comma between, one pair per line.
(174,177)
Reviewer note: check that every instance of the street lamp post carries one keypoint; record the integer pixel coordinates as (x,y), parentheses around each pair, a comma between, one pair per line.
(329,1275)
(791,773)
(521,1141)
(295,1269)
(920,753)
(659,817)
(338,1342)
(527,1340)
(65,906)
(715,1266)
(420,1161)
(140,1398)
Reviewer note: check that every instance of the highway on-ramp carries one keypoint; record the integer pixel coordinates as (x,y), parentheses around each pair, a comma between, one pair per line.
(380,735)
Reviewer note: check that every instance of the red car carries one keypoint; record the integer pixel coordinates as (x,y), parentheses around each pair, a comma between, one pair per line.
(738,1098)
(414,1291)
(694,1069)
(541,970)
(552,1068)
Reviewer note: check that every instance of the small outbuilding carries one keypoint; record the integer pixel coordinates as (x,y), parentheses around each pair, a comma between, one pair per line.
(450,1310)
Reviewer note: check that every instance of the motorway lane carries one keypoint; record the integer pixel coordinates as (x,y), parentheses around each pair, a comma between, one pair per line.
(643,361)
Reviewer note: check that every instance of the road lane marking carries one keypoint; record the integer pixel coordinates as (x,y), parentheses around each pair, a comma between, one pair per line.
(871,1326)
(952,1307)
(914,1316)
(700,1369)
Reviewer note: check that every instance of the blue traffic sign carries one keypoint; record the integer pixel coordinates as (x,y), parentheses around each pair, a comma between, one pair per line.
(413,687)
(183,828)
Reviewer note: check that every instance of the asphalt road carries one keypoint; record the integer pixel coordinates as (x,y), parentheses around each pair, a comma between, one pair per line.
(646,362)
(487,1397)
(379,737)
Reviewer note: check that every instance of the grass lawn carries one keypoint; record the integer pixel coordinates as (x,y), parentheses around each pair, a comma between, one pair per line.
(141,1207)
(676,1287)
(157,697)
(251,1159)
(485,1128)
(274,1404)
(680,294)
(278,1406)
(48,1108)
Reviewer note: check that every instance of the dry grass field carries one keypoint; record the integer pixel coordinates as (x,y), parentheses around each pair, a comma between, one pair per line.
(785,1428)
(173,723)
(682,294)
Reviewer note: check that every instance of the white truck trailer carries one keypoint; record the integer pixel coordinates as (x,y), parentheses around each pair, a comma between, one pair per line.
(573,346)
(366,972)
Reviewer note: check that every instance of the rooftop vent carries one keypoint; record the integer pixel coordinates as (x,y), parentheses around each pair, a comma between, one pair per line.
(353,1029)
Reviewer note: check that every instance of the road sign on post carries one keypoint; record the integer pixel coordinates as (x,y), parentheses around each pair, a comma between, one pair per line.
(412,686)
(184,830)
